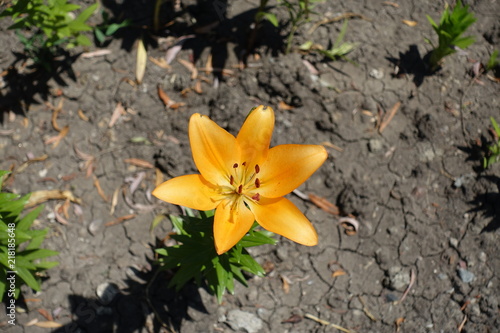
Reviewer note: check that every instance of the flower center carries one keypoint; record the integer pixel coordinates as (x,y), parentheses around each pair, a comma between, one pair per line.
(243,182)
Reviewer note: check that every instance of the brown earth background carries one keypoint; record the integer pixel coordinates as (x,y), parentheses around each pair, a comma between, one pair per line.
(429,216)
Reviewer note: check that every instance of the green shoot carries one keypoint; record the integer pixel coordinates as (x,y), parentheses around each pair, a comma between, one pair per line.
(339,49)
(493,61)
(107,29)
(494,148)
(195,258)
(450,29)
(20,250)
(51,25)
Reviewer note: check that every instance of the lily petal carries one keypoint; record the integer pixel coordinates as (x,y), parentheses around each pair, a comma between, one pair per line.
(282,217)
(191,191)
(214,149)
(288,166)
(232,221)
(255,135)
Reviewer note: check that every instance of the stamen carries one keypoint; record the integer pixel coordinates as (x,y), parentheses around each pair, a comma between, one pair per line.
(257,182)
(231,180)
(257,168)
(256,197)
(244,163)
(235,165)
(240,188)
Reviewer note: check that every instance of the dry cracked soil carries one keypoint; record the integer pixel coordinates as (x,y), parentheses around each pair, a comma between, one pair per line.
(424,257)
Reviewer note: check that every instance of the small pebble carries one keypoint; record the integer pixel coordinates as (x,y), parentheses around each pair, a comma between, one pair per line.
(465,275)
(241,320)
(376,73)
(454,242)
(106,292)
(482,257)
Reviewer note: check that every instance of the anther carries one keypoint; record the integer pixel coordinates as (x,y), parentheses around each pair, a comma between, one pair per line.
(257,168)
(256,197)
(235,165)
(231,180)
(257,182)
(244,163)
(240,188)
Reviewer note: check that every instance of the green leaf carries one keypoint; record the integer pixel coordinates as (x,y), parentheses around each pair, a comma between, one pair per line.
(28,278)
(87,13)
(495,126)
(28,219)
(37,254)
(83,40)
(112,28)
(44,265)
(99,35)
(3,285)
(271,18)
(492,63)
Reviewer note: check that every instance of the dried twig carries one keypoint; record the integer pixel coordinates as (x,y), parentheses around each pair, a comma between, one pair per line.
(365,309)
(327,323)
(413,277)
(388,117)
(335,19)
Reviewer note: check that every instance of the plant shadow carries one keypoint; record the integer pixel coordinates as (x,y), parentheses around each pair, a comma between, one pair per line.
(25,83)
(129,310)
(212,30)
(488,203)
(411,62)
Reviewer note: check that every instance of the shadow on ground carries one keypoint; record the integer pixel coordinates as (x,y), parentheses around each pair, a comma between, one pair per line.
(488,203)
(148,303)
(28,83)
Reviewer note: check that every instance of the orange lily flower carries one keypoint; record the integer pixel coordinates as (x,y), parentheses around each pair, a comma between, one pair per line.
(244,180)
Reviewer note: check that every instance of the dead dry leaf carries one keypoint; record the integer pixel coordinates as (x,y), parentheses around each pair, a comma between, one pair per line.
(208,67)
(48,324)
(142,57)
(120,219)
(82,115)
(159,177)
(55,112)
(65,208)
(160,62)
(82,155)
(285,284)
(294,319)
(191,67)
(388,117)
(97,53)
(175,106)
(338,272)
(31,322)
(398,323)
(114,201)
(350,224)
(117,113)
(331,145)
(390,3)
(164,97)
(99,189)
(55,140)
(32,160)
(38,197)
(324,204)
(285,107)
(410,23)
(197,87)
(138,162)
(46,314)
